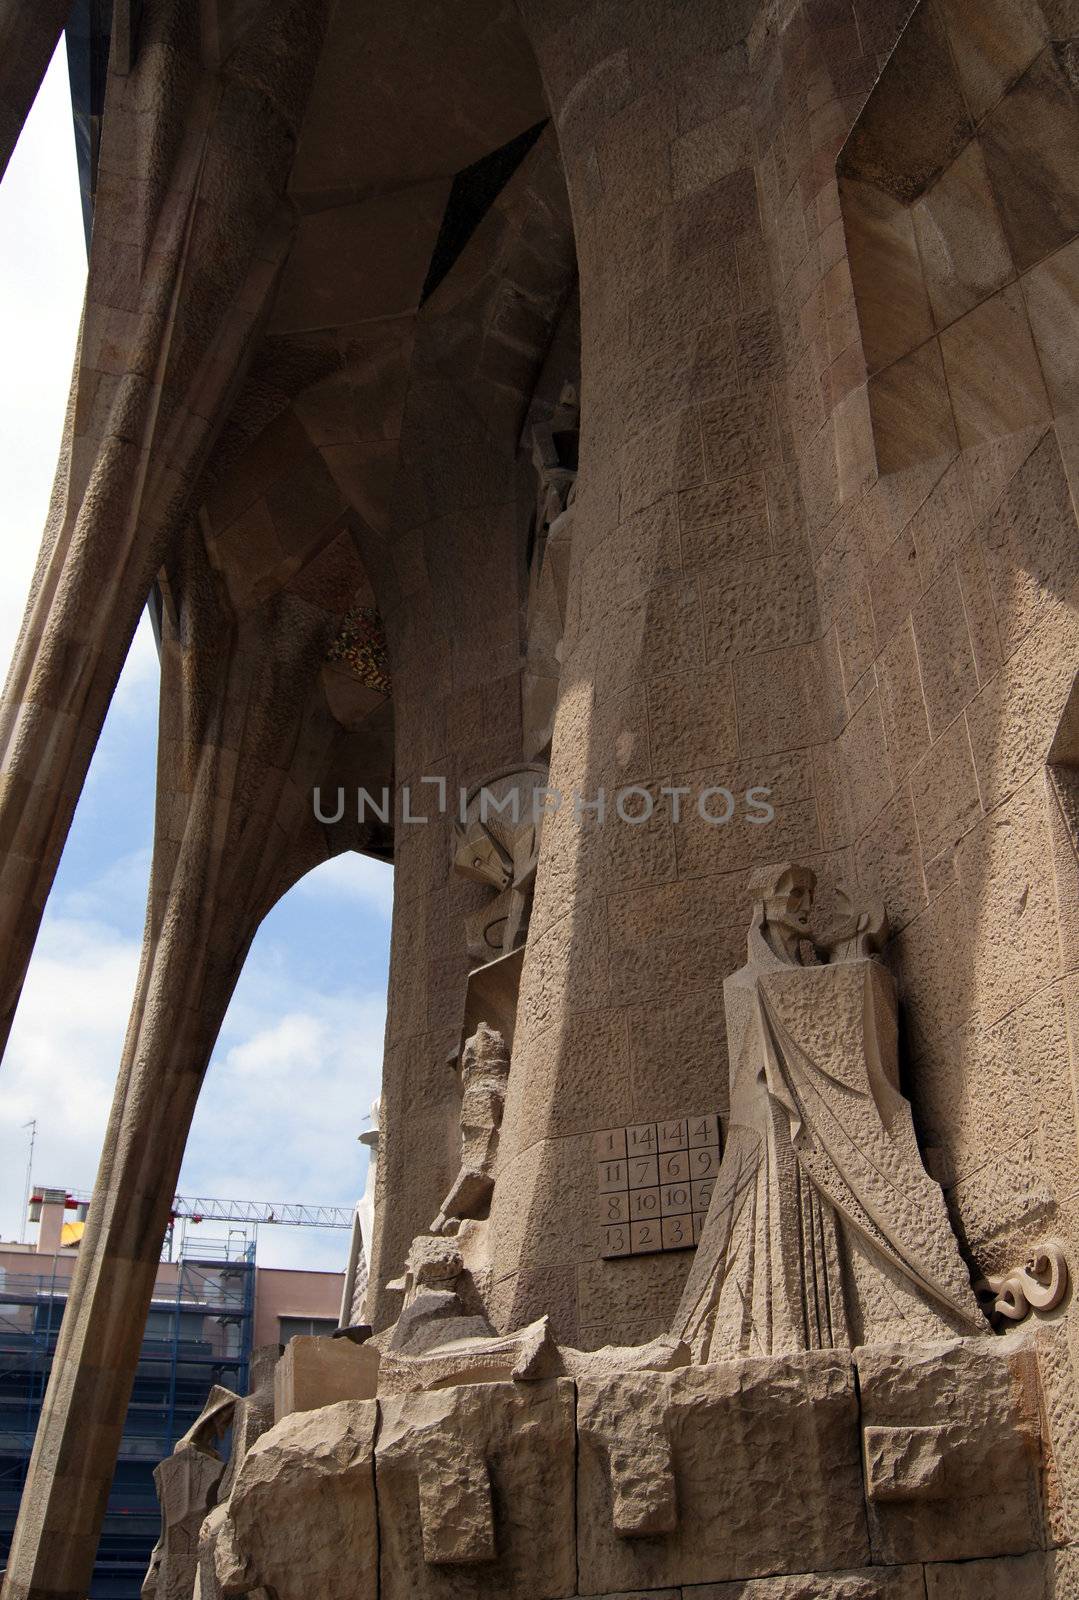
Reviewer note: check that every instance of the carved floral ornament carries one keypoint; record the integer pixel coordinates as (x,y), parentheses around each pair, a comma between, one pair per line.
(1040,1285)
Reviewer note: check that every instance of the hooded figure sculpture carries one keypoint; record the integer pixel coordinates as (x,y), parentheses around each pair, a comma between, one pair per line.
(824,1229)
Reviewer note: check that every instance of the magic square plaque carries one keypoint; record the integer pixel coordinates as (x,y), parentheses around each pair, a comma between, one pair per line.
(654,1182)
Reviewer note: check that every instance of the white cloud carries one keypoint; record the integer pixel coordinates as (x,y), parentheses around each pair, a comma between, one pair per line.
(120,889)
(352,877)
(62,1056)
(297,1066)
(281,1109)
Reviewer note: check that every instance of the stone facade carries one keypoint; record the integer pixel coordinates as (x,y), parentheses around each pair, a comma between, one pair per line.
(657,398)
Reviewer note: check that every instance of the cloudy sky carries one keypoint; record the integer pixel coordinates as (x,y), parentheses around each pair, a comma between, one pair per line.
(299,1058)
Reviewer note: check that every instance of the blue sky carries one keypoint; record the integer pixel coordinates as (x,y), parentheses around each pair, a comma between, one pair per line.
(299,1058)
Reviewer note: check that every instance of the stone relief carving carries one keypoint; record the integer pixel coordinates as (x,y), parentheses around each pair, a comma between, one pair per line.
(497,843)
(824,1229)
(187,1485)
(433,1309)
(1039,1285)
(194,1485)
(554,455)
(354,1292)
(485,1068)
(860,931)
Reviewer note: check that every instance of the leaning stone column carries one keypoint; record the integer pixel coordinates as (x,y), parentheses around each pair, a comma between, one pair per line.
(189,234)
(689,658)
(246,735)
(29,35)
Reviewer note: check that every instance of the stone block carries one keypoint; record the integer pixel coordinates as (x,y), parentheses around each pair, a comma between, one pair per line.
(903,706)
(1052,294)
(1057,1368)
(945,791)
(960,239)
(952,1455)
(302,1512)
(1030,142)
(945,657)
(456,1516)
(870,1583)
(316,1371)
(1005,870)
(884,250)
(913,422)
(894,585)
(681,1477)
(1029,545)
(475,1492)
(993,372)
(1005,1578)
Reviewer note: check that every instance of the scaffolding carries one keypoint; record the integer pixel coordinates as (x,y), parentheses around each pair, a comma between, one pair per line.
(198,1332)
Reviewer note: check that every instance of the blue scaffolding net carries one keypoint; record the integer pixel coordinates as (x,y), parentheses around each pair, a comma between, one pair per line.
(198,1333)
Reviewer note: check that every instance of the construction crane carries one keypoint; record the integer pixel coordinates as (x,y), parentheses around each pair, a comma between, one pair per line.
(204,1209)
(260,1211)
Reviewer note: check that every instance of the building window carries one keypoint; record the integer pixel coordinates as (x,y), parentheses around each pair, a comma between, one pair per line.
(290,1327)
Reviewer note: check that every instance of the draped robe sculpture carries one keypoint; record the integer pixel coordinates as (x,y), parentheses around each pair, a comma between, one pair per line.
(824,1229)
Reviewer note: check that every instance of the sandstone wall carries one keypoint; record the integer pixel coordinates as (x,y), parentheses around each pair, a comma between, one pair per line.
(826,542)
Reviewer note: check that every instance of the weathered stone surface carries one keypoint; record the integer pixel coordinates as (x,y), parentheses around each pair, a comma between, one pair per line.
(186,1483)
(315,1371)
(695,1454)
(871,1583)
(473,1483)
(526,1354)
(823,540)
(302,1511)
(823,1228)
(1056,1347)
(189,1483)
(1053,1575)
(951,1442)
(254,1415)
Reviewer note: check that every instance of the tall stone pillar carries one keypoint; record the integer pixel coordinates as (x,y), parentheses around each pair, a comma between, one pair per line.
(28,37)
(452,605)
(189,235)
(689,659)
(246,735)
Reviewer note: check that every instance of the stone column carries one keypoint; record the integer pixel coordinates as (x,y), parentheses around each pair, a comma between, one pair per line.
(28,38)
(459,516)
(689,658)
(189,235)
(246,735)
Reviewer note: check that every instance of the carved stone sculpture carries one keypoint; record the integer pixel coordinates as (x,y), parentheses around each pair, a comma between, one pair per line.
(859,932)
(443,1335)
(433,1310)
(554,455)
(354,1291)
(824,1229)
(255,1412)
(497,843)
(1039,1285)
(187,1488)
(485,1069)
(301,1522)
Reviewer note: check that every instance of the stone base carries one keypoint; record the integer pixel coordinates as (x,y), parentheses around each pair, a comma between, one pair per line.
(894,1472)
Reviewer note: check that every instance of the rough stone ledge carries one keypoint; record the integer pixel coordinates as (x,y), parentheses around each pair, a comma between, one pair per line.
(701,1483)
